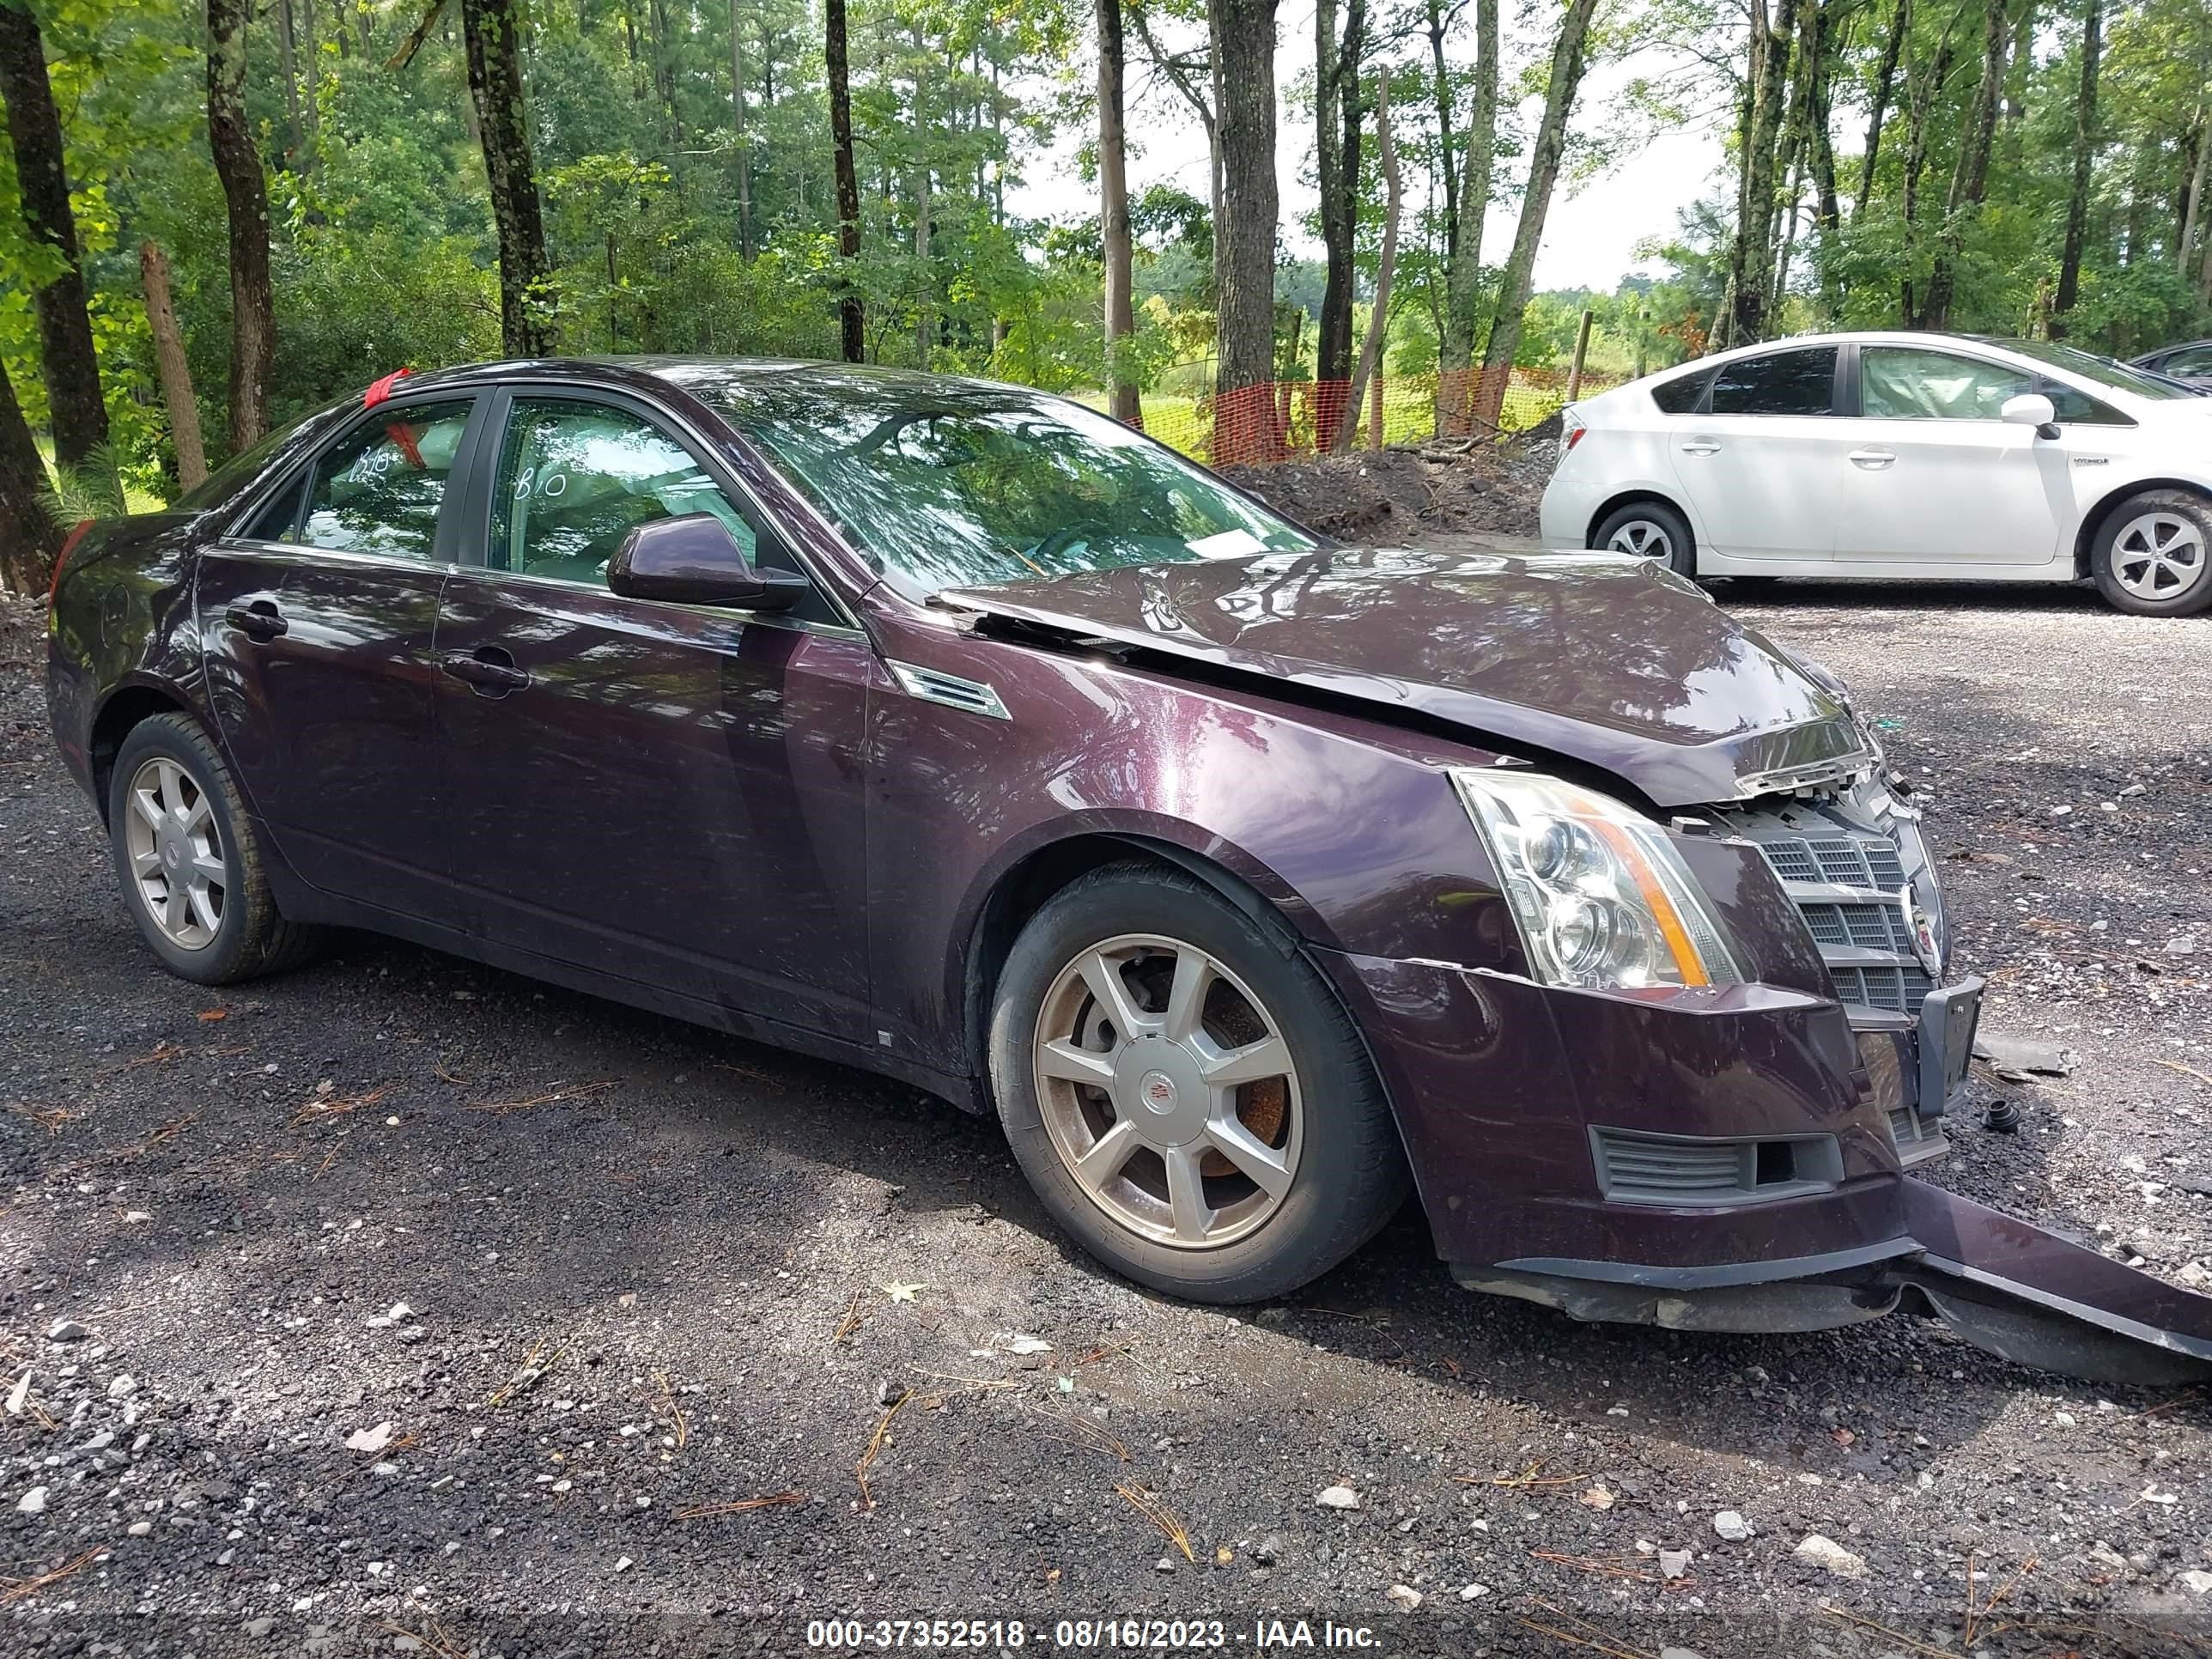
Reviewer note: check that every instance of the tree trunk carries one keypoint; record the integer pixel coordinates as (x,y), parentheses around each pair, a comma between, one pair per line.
(489,28)
(852,323)
(1243,37)
(1970,175)
(1463,275)
(287,65)
(1336,155)
(1922,96)
(1567,63)
(174,373)
(1884,80)
(35,131)
(1447,161)
(245,196)
(2193,205)
(921,206)
(1370,349)
(2085,149)
(746,249)
(28,535)
(1113,216)
(1750,257)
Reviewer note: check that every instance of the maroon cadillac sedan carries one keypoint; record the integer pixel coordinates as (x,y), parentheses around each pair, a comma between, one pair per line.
(954,731)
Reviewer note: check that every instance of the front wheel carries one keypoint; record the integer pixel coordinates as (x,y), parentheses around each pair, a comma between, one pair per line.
(1649,530)
(1188,1099)
(191,868)
(2153,555)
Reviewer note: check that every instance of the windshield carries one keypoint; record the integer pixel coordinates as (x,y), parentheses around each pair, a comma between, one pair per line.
(2103,370)
(948,484)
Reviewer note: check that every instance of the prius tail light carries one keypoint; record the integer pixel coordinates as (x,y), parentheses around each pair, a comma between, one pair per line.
(1571,428)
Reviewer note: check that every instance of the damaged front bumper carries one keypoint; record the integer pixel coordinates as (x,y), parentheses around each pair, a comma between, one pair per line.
(1727,1159)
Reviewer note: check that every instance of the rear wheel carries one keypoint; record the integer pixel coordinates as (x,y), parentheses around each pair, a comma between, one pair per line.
(191,868)
(2153,555)
(1187,1096)
(1649,530)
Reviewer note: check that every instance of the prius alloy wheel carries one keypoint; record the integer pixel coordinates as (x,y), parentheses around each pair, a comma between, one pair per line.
(2159,556)
(1649,530)
(2153,557)
(1168,1092)
(191,868)
(1185,1091)
(176,855)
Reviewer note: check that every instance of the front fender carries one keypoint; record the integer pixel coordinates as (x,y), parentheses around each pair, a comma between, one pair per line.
(1349,829)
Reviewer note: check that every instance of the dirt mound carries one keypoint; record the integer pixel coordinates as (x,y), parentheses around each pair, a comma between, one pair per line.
(1448,485)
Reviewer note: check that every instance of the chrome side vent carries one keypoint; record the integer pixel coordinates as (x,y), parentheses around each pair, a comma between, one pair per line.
(934,685)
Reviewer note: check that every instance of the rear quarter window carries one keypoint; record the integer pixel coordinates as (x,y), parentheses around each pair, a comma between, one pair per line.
(1683,394)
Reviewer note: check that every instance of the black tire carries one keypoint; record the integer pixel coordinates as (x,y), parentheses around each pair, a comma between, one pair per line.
(2120,534)
(250,939)
(1351,1175)
(1640,521)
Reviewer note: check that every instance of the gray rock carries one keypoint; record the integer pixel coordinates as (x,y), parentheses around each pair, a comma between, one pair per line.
(33,1501)
(1824,1551)
(67,1330)
(1674,1563)
(139,1529)
(122,1388)
(1336,1498)
(1732,1526)
(1404,1596)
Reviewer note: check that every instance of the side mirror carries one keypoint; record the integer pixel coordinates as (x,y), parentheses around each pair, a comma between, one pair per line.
(2032,408)
(695,560)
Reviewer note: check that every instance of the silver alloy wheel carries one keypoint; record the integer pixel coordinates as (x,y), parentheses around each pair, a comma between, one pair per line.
(1167,1091)
(2159,556)
(175,847)
(1642,538)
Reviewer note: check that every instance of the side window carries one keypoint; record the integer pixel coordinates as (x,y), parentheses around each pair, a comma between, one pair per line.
(1779,383)
(2076,408)
(1903,383)
(377,489)
(2190,362)
(1680,395)
(574,478)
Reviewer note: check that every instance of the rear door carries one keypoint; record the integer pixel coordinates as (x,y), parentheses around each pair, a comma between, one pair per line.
(671,793)
(1933,476)
(316,620)
(1757,462)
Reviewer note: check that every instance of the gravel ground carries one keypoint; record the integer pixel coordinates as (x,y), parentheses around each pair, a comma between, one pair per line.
(399,1301)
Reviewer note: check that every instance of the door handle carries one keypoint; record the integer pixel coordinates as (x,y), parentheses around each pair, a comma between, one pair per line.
(1701,446)
(1875,460)
(489,670)
(259,621)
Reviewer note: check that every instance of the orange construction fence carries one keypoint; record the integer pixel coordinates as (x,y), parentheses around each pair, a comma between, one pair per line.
(1288,420)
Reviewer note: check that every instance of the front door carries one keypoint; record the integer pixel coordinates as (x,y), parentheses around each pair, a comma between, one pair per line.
(1757,463)
(1932,475)
(316,624)
(671,793)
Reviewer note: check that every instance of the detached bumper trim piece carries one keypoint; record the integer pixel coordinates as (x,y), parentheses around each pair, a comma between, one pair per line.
(1721,1276)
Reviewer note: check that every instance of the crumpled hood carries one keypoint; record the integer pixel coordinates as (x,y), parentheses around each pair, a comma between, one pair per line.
(1604,658)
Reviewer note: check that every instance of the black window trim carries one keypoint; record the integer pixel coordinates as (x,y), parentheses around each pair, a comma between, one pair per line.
(492,437)
(296,475)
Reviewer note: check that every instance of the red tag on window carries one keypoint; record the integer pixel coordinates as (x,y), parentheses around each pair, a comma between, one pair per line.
(380,390)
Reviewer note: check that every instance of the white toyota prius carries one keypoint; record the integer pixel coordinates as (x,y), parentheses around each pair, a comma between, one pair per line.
(1890,456)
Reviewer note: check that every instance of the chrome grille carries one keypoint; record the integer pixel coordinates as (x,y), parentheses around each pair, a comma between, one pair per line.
(1845,882)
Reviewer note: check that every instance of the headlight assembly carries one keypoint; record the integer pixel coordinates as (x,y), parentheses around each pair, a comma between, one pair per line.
(1602,897)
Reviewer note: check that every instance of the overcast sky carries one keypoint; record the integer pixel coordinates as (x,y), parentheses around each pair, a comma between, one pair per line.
(1589,237)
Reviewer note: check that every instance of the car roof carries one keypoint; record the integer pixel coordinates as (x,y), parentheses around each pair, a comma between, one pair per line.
(694,375)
